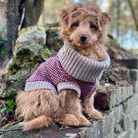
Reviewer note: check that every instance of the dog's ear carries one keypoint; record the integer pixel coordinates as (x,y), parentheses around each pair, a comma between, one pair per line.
(64,16)
(104,19)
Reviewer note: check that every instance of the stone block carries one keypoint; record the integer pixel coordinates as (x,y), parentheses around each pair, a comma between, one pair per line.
(129,91)
(121,135)
(125,122)
(110,134)
(125,73)
(118,129)
(133,75)
(130,105)
(133,102)
(118,113)
(100,129)
(119,95)
(129,63)
(133,115)
(126,107)
(112,99)
(108,123)
(135,87)
(95,129)
(124,93)
(132,132)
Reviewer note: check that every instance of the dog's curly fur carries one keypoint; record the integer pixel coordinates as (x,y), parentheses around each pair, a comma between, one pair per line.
(85,14)
(41,107)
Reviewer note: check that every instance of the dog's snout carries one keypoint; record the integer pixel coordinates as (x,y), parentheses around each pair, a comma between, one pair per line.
(83,38)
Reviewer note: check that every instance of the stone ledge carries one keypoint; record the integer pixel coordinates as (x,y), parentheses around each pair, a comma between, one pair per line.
(120,122)
(129,63)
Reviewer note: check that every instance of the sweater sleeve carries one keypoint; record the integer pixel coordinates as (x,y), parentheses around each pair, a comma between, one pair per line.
(39,80)
(69,85)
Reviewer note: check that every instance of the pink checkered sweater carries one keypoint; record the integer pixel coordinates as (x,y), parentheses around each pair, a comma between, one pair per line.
(68,70)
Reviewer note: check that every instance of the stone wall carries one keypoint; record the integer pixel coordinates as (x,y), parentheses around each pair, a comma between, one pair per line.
(120,121)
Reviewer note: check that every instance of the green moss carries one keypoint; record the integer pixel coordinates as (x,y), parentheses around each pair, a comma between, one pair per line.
(13,69)
(3,50)
(38,29)
(24,55)
(46,53)
(110,110)
(114,41)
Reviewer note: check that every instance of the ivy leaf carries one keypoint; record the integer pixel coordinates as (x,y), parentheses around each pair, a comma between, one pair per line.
(10,103)
(9,110)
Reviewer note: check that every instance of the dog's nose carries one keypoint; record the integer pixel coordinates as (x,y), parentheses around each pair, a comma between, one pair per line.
(83,37)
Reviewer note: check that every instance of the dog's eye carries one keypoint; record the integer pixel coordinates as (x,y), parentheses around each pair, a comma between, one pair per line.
(76,24)
(92,26)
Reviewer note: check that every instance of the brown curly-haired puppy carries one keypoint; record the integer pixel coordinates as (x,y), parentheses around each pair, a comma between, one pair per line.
(83,28)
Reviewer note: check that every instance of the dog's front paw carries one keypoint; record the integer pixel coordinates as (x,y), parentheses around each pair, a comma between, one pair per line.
(69,120)
(93,113)
(83,120)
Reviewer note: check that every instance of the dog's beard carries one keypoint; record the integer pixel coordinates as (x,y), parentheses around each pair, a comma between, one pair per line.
(82,46)
(93,50)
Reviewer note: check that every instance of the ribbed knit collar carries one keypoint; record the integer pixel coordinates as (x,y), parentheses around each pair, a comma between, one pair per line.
(81,67)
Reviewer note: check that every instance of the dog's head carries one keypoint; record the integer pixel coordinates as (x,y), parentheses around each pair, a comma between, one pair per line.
(83,25)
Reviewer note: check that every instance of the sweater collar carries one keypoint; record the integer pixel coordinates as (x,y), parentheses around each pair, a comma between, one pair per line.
(81,67)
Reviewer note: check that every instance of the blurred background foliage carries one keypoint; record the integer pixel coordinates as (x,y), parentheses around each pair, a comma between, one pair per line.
(124,25)
(24,13)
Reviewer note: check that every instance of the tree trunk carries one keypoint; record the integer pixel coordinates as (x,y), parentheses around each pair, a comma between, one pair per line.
(14,12)
(133,14)
(33,9)
(118,18)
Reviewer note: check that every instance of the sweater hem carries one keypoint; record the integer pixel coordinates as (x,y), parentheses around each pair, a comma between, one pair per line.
(69,85)
(30,86)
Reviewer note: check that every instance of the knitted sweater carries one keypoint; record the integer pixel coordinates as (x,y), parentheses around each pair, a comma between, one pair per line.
(68,70)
